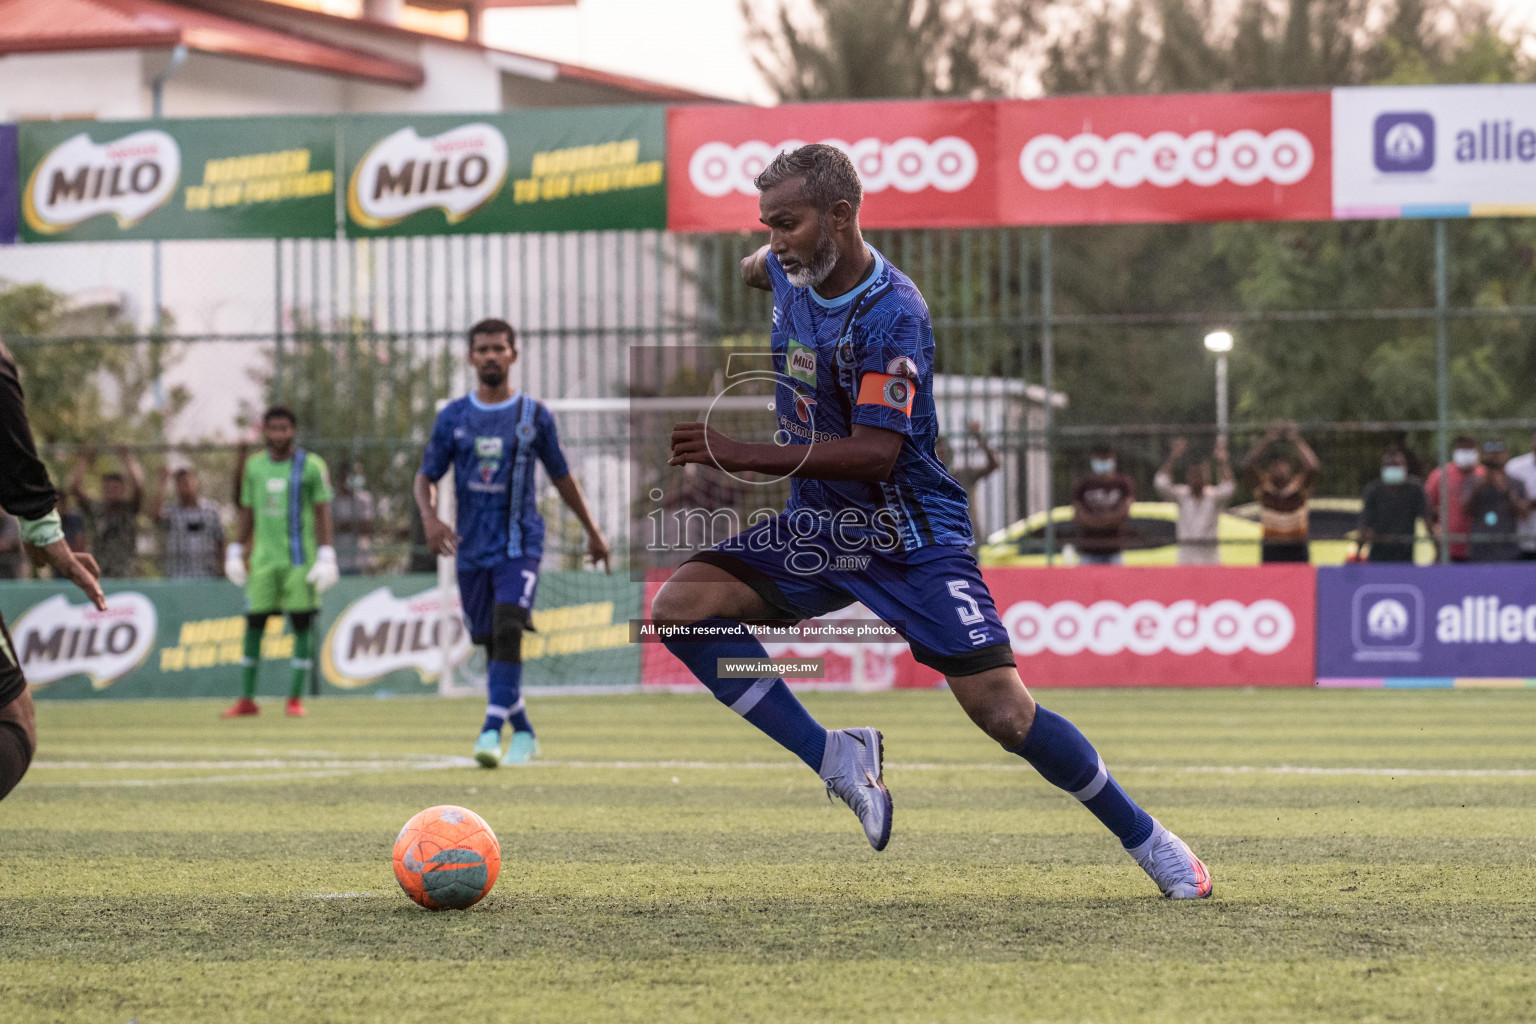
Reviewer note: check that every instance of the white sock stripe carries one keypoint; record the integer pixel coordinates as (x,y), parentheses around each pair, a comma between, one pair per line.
(747,701)
(515,708)
(1091,790)
(497,710)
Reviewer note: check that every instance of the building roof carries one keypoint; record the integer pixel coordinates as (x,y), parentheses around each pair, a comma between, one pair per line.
(260,30)
(42,26)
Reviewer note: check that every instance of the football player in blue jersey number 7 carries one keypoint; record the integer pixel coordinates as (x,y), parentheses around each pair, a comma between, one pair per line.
(853,346)
(492,438)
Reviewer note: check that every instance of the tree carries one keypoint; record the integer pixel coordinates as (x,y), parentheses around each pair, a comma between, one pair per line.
(884,49)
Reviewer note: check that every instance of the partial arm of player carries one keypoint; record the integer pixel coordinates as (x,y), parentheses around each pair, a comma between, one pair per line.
(440,536)
(869,454)
(754,270)
(597,545)
(974,429)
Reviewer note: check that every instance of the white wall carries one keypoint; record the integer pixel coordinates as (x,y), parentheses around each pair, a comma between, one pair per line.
(93,83)
(208,85)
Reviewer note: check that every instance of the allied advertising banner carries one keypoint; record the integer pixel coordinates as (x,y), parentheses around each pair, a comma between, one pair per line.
(923,164)
(588,169)
(1435,151)
(1160,159)
(10,199)
(1186,626)
(259,177)
(1433,625)
(184,638)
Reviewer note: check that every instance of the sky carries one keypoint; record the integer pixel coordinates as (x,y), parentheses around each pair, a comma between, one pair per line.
(697,44)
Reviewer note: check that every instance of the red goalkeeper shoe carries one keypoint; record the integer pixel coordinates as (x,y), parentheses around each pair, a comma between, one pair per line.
(295,708)
(244,708)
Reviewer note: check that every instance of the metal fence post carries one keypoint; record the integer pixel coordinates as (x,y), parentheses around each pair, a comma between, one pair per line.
(1048,380)
(1442,390)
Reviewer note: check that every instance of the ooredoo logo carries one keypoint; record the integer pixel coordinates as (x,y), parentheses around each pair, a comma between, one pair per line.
(1166,159)
(1149,627)
(908,164)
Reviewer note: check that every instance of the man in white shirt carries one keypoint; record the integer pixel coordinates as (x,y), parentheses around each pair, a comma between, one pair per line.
(1523,468)
(1200,504)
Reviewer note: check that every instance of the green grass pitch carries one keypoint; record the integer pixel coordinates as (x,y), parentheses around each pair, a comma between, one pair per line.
(1374,856)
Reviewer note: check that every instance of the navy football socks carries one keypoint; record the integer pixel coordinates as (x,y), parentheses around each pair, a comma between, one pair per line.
(504,698)
(767,702)
(1063,755)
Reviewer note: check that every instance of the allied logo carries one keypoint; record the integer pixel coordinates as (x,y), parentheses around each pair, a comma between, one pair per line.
(1404,142)
(800,362)
(128,178)
(380,633)
(1388,622)
(56,639)
(403,174)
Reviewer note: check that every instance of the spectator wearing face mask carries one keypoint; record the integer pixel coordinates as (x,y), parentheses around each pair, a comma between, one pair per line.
(1458,477)
(1494,509)
(1101,502)
(1390,510)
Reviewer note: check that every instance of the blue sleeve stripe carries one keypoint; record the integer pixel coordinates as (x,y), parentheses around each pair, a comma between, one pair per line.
(515,492)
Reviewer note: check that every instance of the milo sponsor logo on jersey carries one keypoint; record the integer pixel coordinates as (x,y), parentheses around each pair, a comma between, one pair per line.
(380,633)
(800,363)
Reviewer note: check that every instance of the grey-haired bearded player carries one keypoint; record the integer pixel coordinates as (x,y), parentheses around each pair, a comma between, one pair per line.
(27,494)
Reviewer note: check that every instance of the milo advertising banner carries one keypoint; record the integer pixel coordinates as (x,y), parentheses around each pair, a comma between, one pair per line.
(184,638)
(587,169)
(247,177)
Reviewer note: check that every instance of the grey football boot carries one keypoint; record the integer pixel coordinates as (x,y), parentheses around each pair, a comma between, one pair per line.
(852,768)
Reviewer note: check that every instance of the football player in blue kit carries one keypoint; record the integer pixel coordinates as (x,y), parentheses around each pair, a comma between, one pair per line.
(852,345)
(491,438)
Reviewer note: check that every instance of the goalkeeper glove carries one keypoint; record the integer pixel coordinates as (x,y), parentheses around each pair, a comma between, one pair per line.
(325,573)
(234,565)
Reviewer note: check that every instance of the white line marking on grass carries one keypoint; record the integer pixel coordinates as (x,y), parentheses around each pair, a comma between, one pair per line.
(1283,769)
(341,895)
(343,768)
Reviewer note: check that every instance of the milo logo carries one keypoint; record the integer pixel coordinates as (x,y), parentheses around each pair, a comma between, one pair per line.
(56,639)
(801,363)
(457,172)
(380,633)
(128,178)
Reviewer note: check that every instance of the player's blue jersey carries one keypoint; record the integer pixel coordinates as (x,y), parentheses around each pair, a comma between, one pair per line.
(492,449)
(866,357)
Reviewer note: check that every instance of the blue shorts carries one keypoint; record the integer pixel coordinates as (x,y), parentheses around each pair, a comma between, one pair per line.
(514,581)
(933,596)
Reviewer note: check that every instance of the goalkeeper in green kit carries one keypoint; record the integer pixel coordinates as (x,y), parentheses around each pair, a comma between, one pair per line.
(284,557)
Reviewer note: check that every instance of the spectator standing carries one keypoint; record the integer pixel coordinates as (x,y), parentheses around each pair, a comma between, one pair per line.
(353,511)
(1200,504)
(968,475)
(1460,476)
(12,563)
(113,522)
(1283,492)
(1523,469)
(1390,510)
(194,535)
(1494,508)
(1101,503)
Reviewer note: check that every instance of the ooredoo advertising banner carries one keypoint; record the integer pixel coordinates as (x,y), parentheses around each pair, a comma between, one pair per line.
(923,164)
(1186,626)
(1434,151)
(248,177)
(593,169)
(1160,159)
(1430,625)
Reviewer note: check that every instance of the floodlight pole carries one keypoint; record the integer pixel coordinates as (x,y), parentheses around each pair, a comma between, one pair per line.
(1221,398)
